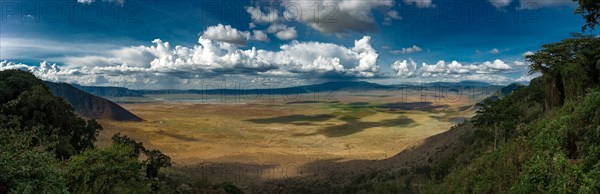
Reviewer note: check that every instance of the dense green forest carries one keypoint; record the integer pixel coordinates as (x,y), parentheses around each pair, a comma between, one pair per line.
(46,148)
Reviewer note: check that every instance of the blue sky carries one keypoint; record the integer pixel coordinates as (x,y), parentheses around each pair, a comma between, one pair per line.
(183,43)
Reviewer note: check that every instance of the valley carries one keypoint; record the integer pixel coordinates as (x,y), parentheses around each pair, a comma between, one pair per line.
(273,138)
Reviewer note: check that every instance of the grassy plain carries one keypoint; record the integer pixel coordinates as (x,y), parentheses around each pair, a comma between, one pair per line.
(234,138)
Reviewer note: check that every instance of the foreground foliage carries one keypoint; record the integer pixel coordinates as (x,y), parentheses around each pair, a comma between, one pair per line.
(46,148)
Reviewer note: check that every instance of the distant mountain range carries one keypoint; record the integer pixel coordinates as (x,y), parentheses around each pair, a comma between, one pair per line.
(109,91)
(91,106)
(87,102)
(322,87)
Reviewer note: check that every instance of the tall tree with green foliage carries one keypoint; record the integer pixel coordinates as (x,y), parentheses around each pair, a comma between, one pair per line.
(590,11)
(116,168)
(568,68)
(155,160)
(102,170)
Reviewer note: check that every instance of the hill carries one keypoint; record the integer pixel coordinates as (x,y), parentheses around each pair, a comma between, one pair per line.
(91,106)
(45,147)
(109,91)
(218,89)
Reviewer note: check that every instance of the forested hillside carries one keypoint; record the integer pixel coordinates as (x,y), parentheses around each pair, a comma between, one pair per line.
(540,138)
(46,148)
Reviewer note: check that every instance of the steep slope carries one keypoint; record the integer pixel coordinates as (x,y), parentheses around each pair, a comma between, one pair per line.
(91,106)
(109,91)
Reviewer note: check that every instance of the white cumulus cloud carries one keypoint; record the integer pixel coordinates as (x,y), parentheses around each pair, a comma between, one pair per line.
(527,53)
(163,63)
(287,34)
(283,32)
(44,70)
(455,67)
(519,63)
(409,50)
(226,33)
(405,68)
(260,36)
(494,66)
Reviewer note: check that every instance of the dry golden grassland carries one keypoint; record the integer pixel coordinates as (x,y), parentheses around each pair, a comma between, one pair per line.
(279,134)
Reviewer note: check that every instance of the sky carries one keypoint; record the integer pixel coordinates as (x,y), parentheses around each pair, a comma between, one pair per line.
(182,44)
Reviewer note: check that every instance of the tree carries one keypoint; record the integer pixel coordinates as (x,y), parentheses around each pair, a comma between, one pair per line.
(25,168)
(154,158)
(28,100)
(115,168)
(102,170)
(568,68)
(590,11)
(13,82)
(500,115)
